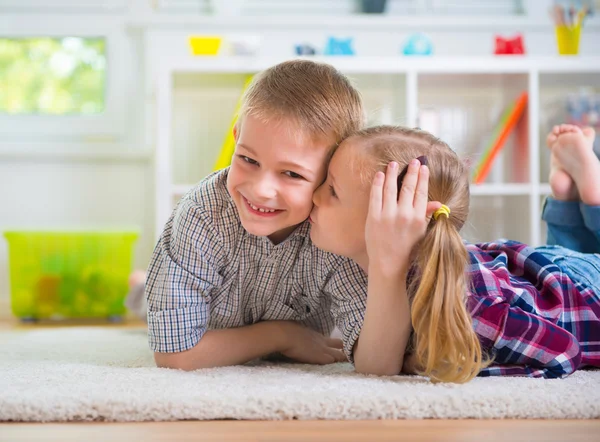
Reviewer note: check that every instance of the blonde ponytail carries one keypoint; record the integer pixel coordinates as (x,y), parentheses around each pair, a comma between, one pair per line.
(446,346)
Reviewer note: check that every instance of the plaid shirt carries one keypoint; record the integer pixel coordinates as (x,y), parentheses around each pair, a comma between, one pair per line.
(207,272)
(529,314)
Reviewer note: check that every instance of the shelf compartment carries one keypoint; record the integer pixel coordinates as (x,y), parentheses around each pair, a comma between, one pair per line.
(463,109)
(495,217)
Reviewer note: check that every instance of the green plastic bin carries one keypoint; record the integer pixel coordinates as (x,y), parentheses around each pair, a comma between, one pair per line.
(69,274)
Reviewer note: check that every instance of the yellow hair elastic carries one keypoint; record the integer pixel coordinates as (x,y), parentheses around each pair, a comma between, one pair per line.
(444,210)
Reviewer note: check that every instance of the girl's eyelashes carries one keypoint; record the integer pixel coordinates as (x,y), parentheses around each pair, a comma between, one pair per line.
(332,191)
(248,159)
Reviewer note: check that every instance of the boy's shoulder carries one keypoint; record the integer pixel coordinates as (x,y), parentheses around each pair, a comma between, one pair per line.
(208,206)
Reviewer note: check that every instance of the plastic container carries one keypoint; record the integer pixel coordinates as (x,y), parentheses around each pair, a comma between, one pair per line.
(205,44)
(567,39)
(78,274)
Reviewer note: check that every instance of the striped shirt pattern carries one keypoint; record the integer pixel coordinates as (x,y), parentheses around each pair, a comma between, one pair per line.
(207,272)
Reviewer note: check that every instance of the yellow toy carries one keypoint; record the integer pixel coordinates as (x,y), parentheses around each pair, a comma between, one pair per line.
(224,159)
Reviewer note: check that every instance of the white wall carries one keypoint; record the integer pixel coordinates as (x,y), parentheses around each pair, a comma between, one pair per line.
(84,190)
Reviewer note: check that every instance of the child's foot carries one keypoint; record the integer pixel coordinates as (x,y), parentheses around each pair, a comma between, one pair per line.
(573,156)
(562,185)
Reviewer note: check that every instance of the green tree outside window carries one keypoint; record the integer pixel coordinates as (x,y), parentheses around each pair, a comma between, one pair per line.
(56,76)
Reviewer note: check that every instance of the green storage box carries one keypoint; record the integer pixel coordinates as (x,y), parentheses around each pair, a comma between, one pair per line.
(76,274)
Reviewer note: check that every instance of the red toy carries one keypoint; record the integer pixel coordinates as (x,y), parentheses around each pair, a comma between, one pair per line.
(512,45)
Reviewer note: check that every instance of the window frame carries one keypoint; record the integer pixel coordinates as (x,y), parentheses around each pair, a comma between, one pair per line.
(108,126)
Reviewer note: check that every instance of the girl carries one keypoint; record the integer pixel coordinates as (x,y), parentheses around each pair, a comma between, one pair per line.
(499,308)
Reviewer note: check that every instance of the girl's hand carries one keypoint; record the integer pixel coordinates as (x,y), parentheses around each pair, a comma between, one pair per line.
(395,223)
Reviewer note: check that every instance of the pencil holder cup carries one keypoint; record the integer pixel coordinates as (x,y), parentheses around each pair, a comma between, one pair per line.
(205,45)
(567,39)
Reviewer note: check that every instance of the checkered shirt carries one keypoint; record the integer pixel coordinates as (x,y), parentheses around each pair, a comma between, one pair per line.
(207,272)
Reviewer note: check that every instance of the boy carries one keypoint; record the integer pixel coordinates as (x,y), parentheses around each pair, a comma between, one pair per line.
(234,275)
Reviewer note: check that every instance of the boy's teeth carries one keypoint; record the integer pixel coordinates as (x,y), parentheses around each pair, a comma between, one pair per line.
(260,210)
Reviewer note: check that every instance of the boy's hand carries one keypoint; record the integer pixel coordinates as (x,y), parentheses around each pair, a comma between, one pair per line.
(311,347)
(396,222)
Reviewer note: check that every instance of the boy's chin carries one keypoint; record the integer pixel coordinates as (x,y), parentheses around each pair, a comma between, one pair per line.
(278,233)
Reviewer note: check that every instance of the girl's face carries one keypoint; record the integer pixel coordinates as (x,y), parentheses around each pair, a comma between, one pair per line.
(340,207)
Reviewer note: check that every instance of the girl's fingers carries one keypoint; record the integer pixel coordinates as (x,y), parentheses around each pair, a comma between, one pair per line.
(409,186)
(390,188)
(376,199)
(420,201)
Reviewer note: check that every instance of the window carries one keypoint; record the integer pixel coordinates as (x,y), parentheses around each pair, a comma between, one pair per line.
(52,76)
(69,81)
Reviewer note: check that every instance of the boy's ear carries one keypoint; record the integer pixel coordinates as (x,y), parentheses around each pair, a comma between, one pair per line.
(236,133)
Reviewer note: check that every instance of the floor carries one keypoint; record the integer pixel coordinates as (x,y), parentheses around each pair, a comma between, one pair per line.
(327,431)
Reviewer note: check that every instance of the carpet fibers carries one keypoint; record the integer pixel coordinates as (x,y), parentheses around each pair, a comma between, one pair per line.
(103,374)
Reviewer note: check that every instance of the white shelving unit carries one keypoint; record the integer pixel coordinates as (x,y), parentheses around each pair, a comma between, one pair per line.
(396,89)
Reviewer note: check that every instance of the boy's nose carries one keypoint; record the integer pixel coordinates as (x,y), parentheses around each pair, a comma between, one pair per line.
(265,188)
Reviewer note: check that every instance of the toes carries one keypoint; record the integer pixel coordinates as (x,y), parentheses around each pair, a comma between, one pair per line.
(564,128)
(551,139)
(589,133)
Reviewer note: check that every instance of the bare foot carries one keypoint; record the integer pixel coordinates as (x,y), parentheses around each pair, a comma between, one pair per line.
(573,156)
(563,186)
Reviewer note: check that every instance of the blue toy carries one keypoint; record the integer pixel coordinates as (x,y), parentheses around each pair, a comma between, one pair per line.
(336,46)
(305,49)
(418,44)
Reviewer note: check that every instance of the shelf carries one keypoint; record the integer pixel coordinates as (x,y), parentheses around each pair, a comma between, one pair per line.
(545,189)
(395,89)
(363,22)
(500,189)
(476,189)
(392,64)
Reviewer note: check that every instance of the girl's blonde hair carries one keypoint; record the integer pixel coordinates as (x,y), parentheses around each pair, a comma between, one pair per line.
(318,99)
(444,342)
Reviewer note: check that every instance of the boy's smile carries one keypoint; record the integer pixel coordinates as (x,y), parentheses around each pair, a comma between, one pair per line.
(261,210)
(274,172)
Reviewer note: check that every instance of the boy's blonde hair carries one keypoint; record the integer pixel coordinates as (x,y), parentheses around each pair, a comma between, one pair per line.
(315,97)
(445,344)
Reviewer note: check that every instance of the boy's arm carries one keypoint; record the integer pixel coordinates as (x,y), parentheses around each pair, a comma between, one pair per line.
(240,345)
(232,346)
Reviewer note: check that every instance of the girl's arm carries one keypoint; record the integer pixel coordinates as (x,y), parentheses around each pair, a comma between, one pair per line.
(525,344)
(386,328)
(396,222)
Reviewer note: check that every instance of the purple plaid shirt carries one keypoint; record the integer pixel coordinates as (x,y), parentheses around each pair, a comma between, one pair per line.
(532,317)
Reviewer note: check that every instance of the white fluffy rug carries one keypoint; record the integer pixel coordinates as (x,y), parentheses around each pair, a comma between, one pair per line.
(75,374)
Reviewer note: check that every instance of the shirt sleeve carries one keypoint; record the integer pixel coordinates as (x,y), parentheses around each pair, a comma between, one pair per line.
(183,270)
(524,344)
(347,290)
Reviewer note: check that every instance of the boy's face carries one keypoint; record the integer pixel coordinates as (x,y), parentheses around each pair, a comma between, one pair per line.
(341,205)
(273,175)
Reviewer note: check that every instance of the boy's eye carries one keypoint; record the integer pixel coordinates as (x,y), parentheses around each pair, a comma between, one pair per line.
(293,174)
(332,191)
(247,159)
